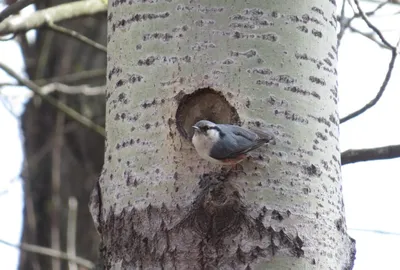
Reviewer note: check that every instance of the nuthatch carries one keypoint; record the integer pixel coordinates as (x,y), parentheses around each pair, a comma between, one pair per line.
(226,144)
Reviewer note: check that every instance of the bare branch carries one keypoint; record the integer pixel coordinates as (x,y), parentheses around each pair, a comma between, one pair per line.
(86,122)
(51,252)
(344,23)
(14,8)
(76,35)
(71,90)
(380,93)
(74,77)
(388,73)
(79,89)
(18,23)
(369,36)
(373,231)
(67,78)
(83,89)
(358,155)
(372,27)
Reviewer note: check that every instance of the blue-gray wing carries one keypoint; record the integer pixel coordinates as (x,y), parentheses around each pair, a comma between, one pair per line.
(238,141)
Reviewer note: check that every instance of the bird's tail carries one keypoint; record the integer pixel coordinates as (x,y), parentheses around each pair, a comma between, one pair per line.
(264,135)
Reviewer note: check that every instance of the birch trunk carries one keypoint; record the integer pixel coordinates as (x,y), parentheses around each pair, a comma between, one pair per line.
(271,64)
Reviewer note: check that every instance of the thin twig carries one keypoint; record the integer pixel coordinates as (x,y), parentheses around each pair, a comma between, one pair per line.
(62,12)
(86,122)
(369,36)
(74,77)
(373,27)
(378,96)
(56,153)
(358,155)
(51,252)
(8,106)
(71,90)
(68,78)
(374,231)
(13,180)
(76,35)
(14,8)
(344,23)
(388,73)
(380,6)
(71,230)
(79,89)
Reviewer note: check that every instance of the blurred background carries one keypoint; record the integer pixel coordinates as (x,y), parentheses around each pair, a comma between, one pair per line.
(50,163)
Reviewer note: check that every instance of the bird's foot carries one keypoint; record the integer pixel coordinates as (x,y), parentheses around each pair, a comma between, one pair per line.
(234,168)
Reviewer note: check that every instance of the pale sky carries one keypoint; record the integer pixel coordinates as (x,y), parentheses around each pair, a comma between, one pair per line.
(371,189)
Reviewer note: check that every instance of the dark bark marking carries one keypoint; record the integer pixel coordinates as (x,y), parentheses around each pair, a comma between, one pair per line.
(321,136)
(285,79)
(328,61)
(165,37)
(298,90)
(267,83)
(318,10)
(276,215)
(319,63)
(316,80)
(316,33)
(228,62)
(261,71)
(289,115)
(138,18)
(248,54)
(121,97)
(114,71)
(148,104)
(302,28)
(312,170)
(322,120)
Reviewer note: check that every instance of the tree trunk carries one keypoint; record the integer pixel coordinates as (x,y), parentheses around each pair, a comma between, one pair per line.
(270,64)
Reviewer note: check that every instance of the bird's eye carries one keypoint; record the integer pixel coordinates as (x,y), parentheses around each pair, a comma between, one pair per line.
(205,128)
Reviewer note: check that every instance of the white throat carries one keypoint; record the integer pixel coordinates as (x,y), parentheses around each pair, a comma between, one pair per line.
(203,144)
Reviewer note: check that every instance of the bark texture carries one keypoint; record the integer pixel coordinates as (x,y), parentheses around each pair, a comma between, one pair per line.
(63,159)
(157,205)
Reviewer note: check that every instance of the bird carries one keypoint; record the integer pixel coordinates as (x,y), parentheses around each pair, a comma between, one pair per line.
(226,144)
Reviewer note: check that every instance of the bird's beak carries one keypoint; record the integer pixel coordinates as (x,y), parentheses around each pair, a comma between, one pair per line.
(196,128)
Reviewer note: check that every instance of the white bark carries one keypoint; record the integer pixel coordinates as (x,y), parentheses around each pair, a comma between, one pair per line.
(157,204)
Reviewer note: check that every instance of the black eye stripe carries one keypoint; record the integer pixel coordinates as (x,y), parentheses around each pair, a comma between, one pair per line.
(205,128)
(208,127)
(221,134)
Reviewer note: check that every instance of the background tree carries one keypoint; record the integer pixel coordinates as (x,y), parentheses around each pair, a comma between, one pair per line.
(77,142)
(63,158)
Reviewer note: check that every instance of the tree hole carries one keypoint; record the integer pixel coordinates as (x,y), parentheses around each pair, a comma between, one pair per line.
(203,104)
